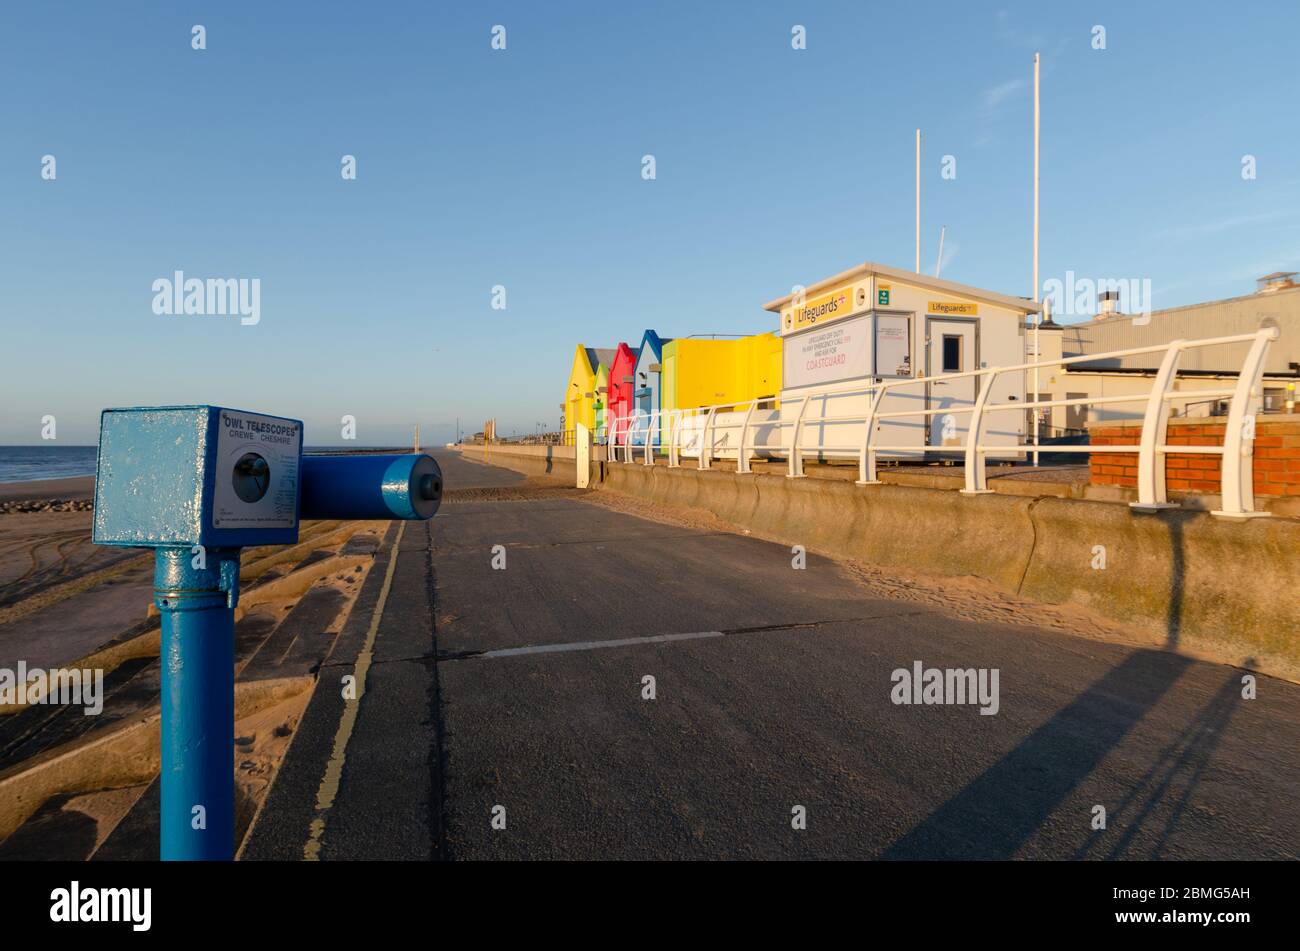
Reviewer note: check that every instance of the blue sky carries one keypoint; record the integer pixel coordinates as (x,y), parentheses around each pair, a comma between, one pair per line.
(522,168)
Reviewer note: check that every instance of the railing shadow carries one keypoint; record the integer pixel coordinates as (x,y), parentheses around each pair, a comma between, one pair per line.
(1178,544)
(997,813)
(1186,756)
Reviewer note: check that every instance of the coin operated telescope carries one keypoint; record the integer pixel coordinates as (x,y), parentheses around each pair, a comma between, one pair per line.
(197,484)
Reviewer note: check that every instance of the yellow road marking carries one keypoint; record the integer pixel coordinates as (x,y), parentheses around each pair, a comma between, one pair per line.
(329,784)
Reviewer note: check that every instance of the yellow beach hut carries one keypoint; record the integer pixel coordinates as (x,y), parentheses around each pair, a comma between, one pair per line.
(699,371)
(580,395)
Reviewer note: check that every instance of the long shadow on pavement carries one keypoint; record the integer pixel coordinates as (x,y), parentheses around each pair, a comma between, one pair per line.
(994,815)
(1187,756)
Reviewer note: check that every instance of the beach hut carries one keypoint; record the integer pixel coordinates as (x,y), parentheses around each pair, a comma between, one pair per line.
(700,372)
(620,387)
(601,404)
(580,395)
(647,394)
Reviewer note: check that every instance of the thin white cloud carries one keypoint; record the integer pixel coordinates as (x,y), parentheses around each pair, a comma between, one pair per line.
(992,100)
(1203,229)
(995,96)
(1288,260)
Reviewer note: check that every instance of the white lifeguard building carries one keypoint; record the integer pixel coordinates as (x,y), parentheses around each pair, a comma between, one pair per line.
(873,324)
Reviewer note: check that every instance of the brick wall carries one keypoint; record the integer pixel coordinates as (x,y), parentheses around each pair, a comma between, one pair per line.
(1277,455)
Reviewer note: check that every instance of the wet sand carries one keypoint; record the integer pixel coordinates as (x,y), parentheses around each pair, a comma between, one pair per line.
(78,487)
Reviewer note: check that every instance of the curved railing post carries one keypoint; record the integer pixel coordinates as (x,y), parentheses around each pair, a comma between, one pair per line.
(649,437)
(674,447)
(1155,426)
(976,479)
(867,461)
(742,461)
(1238,474)
(796,459)
(706,444)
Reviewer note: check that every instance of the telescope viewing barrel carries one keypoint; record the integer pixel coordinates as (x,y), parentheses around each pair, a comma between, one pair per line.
(407,486)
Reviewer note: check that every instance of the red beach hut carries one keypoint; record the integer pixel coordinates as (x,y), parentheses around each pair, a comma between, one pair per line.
(622,380)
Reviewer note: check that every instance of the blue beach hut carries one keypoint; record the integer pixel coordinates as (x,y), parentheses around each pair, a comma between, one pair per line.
(647,393)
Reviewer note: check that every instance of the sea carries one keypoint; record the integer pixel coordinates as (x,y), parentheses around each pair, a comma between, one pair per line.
(30,463)
(33,463)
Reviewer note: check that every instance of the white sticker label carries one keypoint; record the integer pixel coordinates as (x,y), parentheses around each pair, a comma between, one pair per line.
(256,472)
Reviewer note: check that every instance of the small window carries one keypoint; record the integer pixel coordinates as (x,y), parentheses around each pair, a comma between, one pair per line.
(952,353)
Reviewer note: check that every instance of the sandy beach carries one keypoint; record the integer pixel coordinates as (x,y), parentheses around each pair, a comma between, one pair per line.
(80,487)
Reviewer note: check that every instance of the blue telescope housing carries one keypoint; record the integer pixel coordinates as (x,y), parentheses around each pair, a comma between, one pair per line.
(204,475)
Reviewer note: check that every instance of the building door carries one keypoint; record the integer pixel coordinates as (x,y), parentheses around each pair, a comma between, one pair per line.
(1076,417)
(952,346)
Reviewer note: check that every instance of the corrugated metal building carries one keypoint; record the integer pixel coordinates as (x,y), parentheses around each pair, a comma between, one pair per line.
(1277,304)
(1221,318)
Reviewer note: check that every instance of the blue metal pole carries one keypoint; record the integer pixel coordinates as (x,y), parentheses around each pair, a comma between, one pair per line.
(196,593)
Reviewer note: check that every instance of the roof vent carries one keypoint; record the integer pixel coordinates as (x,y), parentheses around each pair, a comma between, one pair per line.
(1109,303)
(1277,281)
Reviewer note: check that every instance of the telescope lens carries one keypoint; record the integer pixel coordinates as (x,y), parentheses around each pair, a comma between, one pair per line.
(252,477)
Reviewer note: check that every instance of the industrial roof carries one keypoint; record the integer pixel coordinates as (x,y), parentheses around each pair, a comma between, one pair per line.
(1235,315)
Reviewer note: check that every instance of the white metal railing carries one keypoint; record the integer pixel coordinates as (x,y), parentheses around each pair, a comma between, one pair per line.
(1237,451)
